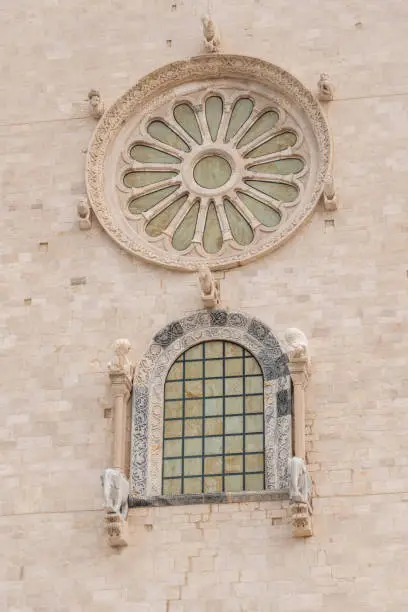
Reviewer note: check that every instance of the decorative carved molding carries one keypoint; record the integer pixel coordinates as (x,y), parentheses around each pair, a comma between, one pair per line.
(84,214)
(108,155)
(210,288)
(96,104)
(212,41)
(325,88)
(148,396)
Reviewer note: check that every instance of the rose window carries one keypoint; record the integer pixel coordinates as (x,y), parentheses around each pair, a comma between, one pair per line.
(214,170)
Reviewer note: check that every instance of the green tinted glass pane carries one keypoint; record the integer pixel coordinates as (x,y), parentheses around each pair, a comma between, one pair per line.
(267,215)
(254,422)
(254,482)
(213,426)
(173,390)
(176,371)
(254,403)
(234,367)
(233,350)
(233,424)
(213,484)
(163,133)
(213,465)
(240,228)
(194,408)
(234,483)
(213,387)
(172,448)
(254,463)
(193,467)
(213,406)
(185,117)
(193,388)
(192,485)
(194,369)
(263,124)
(172,467)
(233,386)
(234,444)
(273,145)
(150,155)
(254,442)
(240,113)
(233,463)
(213,446)
(212,237)
(212,172)
(172,487)
(193,427)
(213,349)
(160,222)
(173,429)
(193,447)
(252,366)
(280,166)
(184,234)
(148,200)
(213,111)
(254,384)
(234,405)
(196,352)
(214,368)
(173,410)
(141,178)
(278,191)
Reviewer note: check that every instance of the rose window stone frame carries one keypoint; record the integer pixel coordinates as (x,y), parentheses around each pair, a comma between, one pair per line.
(192,82)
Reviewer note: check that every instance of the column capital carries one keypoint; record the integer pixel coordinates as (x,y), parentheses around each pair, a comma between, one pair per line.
(299,368)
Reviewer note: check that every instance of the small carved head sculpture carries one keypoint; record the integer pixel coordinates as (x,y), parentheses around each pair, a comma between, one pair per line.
(206,281)
(122,347)
(94,97)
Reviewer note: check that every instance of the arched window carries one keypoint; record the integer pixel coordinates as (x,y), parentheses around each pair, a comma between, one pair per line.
(213,426)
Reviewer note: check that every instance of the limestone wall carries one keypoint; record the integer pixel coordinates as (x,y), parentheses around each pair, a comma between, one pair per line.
(66,295)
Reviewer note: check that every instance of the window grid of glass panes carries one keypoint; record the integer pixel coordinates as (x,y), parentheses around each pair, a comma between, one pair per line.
(213,421)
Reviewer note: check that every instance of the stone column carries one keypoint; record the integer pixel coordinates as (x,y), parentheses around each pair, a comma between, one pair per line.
(121,372)
(299,372)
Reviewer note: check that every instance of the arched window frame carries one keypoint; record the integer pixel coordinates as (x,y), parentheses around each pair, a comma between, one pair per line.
(148,394)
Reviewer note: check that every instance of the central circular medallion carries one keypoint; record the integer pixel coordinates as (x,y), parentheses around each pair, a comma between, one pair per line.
(212,172)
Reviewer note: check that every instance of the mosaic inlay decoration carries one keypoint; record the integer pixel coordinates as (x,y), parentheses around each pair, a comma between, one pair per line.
(215,160)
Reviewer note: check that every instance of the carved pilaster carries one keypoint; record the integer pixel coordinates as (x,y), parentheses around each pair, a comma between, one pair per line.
(299,368)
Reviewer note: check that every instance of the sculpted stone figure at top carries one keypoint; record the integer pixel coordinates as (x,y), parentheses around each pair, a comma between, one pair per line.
(300,484)
(210,291)
(325,88)
(297,344)
(121,362)
(96,105)
(115,491)
(212,40)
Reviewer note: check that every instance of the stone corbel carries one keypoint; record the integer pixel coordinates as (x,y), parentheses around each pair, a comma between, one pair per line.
(212,41)
(300,483)
(96,104)
(210,288)
(329,195)
(114,481)
(84,214)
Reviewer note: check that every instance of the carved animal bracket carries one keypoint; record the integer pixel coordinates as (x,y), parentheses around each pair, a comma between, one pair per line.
(84,214)
(96,104)
(329,195)
(210,288)
(212,41)
(325,88)
(300,495)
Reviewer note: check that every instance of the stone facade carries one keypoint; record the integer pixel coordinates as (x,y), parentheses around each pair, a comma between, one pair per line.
(68,294)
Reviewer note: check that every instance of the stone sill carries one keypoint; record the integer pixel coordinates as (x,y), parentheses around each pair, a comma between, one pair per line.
(208,498)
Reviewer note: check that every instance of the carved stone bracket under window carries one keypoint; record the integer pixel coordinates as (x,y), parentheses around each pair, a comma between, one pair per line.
(148,399)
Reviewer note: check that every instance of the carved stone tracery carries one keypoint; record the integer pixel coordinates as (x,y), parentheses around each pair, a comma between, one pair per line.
(114,134)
